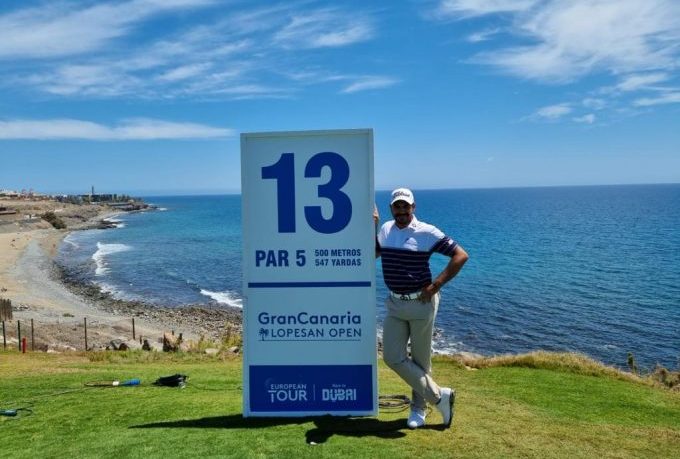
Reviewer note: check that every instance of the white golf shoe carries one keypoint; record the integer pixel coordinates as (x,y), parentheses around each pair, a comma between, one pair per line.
(445,405)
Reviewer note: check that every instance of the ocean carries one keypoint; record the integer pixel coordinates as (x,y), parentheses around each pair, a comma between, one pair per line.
(586,269)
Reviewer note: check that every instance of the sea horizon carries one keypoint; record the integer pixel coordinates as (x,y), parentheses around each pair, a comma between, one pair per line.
(145,194)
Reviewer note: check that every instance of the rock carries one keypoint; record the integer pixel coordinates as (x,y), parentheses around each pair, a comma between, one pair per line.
(120,345)
(469,355)
(234,349)
(212,351)
(171,342)
(59,348)
(133,345)
(114,344)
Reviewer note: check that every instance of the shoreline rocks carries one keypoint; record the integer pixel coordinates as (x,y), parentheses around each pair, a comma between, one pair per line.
(212,322)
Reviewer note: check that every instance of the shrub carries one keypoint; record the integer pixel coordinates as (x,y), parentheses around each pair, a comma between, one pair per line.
(53,220)
(231,337)
(670,379)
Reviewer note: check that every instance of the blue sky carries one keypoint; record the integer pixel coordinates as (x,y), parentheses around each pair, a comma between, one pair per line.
(150,96)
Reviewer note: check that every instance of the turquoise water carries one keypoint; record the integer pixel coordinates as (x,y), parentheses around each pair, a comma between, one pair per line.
(587,269)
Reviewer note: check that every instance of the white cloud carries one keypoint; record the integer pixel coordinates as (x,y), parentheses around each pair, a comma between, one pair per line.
(553,112)
(150,129)
(324,28)
(241,54)
(472,8)
(132,129)
(641,81)
(587,119)
(594,103)
(257,20)
(579,37)
(672,97)
(370,82)
(183,72)
(59,29)
(634,42)
(98,79)
(483,35)
(537,62)
(253,91)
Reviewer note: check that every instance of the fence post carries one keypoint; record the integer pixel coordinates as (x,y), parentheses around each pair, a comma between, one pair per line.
(32,337)
(19,334)
(5,309)
(133,328)
(4,337)
(85,319)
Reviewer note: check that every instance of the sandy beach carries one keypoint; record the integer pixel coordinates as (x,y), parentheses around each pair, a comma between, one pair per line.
(40,292)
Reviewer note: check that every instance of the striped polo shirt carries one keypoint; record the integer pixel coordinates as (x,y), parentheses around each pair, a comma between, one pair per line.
(406,254)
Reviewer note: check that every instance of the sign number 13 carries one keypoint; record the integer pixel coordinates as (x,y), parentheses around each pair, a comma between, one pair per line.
(283,171)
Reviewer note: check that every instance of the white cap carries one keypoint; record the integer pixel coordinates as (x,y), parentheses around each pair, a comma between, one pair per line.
(402,194)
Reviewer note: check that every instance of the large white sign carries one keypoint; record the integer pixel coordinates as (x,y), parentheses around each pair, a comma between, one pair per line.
(308,273)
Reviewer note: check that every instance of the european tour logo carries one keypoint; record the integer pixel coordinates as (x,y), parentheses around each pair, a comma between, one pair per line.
(299,392)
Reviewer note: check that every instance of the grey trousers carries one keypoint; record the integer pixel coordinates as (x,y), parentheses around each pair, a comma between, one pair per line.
(411,319)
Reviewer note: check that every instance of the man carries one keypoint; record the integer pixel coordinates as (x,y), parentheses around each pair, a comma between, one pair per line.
(405,245)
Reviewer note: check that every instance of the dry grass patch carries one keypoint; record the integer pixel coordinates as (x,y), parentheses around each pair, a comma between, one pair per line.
(567,362)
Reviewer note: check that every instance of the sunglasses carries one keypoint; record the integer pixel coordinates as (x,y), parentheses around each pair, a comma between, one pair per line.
(400,205)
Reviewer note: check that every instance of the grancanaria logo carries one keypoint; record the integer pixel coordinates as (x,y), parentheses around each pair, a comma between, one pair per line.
(304,326)
(304,318)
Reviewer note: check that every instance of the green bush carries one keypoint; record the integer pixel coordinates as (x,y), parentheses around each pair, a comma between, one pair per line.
(53,220)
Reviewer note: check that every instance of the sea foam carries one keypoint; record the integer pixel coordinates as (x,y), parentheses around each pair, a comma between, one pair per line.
(68,240)
(116,222)
(228,298)
(100,255)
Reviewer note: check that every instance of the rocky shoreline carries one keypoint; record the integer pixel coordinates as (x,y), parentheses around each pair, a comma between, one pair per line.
(211,322)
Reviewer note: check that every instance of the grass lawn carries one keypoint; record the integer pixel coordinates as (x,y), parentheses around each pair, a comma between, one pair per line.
(504,411)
